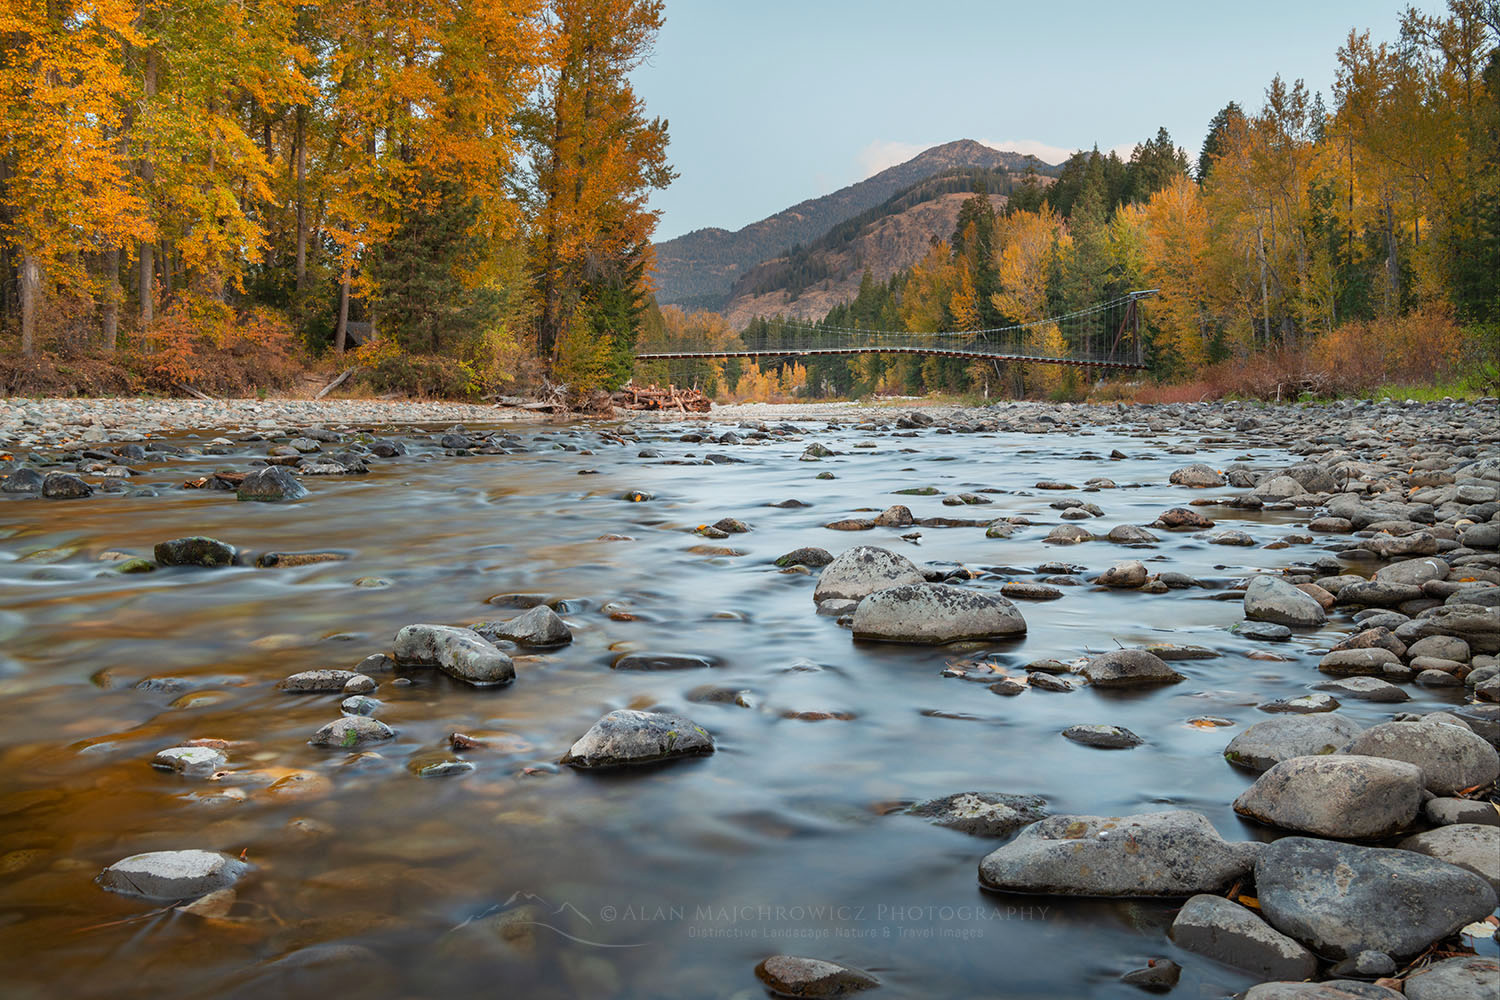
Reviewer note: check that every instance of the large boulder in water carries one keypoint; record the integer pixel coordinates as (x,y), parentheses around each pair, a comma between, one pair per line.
(861,571)
(1129,668)
(1268,599)
(269,485)
(1173,853)
(933,613)
(1336,796)
(1342,899)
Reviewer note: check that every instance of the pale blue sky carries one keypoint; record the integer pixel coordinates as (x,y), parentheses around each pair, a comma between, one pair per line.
(774,101)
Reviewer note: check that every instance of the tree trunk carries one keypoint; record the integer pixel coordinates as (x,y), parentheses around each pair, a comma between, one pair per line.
(145,277)
(111,318)
(1265,300)
(301,140)
(342,332)
(31,283)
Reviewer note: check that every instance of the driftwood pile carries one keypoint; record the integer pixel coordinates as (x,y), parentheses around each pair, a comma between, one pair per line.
(651,397)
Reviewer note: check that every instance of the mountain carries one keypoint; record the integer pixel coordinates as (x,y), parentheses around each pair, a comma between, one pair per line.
(699,270)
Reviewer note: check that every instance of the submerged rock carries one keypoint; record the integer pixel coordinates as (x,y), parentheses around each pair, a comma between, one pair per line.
(352,732)
(982,814)
(626,736)
(1103,736)
(195,551)
(792,976)
(1175,853)
(195,762)
(934,613)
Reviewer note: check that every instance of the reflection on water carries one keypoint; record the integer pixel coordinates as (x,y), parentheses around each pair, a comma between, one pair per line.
(666,882)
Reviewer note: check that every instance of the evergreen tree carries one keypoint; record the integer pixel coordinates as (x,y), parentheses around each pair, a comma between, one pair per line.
(1218,132)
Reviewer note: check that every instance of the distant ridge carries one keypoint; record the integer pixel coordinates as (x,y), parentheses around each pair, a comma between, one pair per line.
(699,269)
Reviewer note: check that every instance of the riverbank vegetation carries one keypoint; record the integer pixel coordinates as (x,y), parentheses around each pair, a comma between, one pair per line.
(200,193)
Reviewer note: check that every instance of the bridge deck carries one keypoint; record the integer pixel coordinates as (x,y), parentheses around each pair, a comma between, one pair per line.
(942,352)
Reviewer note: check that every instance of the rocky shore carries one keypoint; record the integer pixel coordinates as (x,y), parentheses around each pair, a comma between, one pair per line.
(1380,860)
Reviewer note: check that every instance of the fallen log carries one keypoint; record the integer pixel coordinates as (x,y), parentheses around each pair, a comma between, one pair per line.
(336,382)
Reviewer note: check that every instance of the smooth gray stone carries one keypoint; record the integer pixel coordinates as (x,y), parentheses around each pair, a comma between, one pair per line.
(626,737)
(458,652)
(1451,757)
(1172,853)
(1270,599)
(1472,977)
(1351,797)
(170,875)
(1230,933)
(1129,668)
(862,571)
(1474,846)
(1268,743)
(935,613)
(982,814)
(1342,899)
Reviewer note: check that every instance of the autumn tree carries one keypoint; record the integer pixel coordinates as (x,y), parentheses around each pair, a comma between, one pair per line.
(594,158)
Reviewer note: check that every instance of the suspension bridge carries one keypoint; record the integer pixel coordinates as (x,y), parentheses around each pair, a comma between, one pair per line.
(1105,335)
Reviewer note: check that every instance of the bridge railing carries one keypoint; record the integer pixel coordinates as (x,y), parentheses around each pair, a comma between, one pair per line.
(1034,343)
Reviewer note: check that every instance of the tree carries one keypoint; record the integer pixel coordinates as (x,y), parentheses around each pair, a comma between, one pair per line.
(594,158)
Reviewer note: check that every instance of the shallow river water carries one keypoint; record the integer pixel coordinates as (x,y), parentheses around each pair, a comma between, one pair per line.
(524,879)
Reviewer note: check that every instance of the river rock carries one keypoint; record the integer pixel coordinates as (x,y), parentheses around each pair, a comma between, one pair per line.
(626,737)
(317,681)
(861,571)
(1266,744)
(1451,757)
(1469,977)
(1477,625)
(352,732)
(195,551)
(1365,689)
(1126,575)
(1307,704)
(792,976)
(897,516)
(1333,989)
(1342,899)
(458,652)
(1159,976)
(168,875)
(808,555)
(1197,475)
(1443,647)
(982,814)
(1130,534)
(270,484)
(195,762)
(1263,631)
(64,486)
(1414,571)
(1370,662)
(1103,736)
(1182,519)
(539,627)
(1346,796)
(1377,594)
(1270,599)
(1447,811)
(1128,668)
(1473,846)
(1172,853)
(933,613)
(1230,933)
(22,480)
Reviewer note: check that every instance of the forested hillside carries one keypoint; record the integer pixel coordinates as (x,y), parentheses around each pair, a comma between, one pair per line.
(1320,244)
(698,270)
(189,182)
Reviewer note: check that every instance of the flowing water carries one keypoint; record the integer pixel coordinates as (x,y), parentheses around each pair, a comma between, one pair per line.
(531,880)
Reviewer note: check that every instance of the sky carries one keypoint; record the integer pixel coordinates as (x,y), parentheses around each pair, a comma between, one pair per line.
(771,102)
